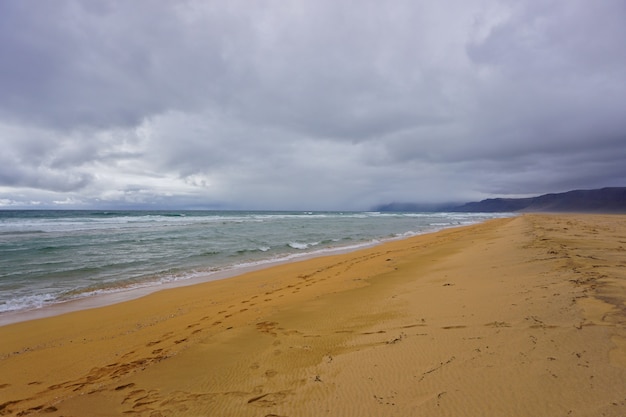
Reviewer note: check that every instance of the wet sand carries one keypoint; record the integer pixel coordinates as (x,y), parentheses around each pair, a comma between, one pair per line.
(518,316)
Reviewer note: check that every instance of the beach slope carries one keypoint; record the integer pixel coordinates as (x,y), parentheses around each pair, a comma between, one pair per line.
(511,317)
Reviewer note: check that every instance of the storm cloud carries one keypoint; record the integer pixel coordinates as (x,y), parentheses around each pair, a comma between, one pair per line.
(307,104)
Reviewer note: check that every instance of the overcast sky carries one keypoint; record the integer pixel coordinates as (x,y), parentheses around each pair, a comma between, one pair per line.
(307,104)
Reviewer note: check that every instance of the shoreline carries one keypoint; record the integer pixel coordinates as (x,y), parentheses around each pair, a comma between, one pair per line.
(123,294)
(112,297)
(513,316)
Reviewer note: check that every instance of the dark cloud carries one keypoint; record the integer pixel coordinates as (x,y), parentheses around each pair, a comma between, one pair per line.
(314,104)
(71,64)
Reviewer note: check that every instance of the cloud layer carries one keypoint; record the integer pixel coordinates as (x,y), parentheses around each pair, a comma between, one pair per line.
(307,104)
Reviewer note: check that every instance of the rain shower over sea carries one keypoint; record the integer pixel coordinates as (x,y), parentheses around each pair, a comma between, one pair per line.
(50,257)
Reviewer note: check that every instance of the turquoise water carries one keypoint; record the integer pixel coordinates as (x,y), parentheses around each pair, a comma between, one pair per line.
(47,257)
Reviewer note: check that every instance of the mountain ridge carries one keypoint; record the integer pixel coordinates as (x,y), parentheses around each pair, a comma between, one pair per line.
(601,200)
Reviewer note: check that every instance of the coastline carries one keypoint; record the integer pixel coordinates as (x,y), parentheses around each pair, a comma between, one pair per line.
(121,295)
(512,316)
(62,261)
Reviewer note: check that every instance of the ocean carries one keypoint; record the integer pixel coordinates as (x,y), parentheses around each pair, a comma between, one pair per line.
(52,256)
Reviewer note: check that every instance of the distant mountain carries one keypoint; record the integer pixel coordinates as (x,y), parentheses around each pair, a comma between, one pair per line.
(605,200)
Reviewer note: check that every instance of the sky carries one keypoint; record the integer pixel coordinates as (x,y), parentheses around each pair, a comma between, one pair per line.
(307,105)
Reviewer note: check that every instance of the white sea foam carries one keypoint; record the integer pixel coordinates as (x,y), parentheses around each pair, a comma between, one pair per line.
(27,302)
(298,245)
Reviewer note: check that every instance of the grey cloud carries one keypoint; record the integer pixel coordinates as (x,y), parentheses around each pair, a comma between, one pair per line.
(67,64)
(318,104)
(556,41)
(554,74)
(14,175)
(533,94)
(353,72)
(344,71)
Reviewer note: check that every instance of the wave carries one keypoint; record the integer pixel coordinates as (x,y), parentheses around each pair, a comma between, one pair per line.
(302,245)
(27,302)
(253,250)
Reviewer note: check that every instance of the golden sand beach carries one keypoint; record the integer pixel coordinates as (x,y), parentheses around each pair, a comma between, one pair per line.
(521,316)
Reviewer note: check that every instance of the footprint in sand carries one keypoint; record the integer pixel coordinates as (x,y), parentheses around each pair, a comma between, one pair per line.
(414,325)
(498,324)
(378,332)
(268,400)
(50,409)
(126,355)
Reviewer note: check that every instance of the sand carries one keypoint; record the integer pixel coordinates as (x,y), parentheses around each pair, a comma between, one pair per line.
(513,317)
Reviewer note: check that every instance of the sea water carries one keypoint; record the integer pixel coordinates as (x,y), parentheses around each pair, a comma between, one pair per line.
(49,257)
